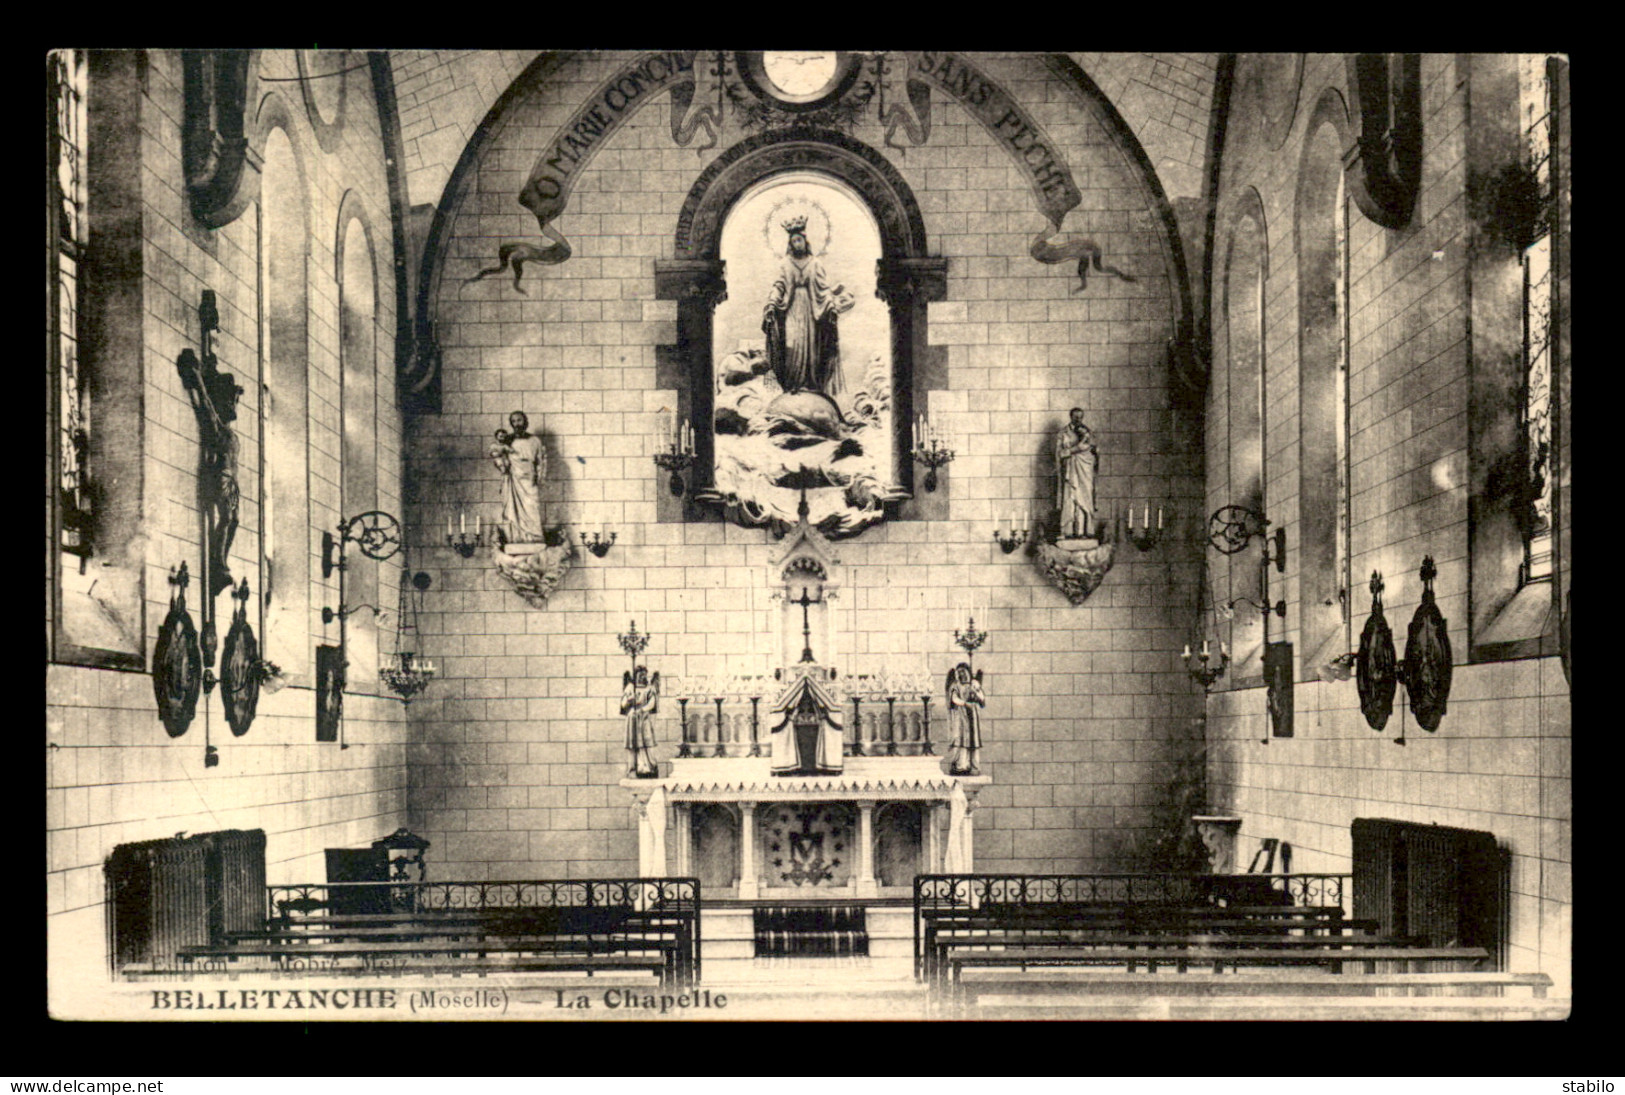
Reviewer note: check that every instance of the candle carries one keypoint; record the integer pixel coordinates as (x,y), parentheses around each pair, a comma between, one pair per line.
(1205,651)
(1145,520)
(462,522)
(1159,517)
(1131,518)
(448,526)
(1187,654)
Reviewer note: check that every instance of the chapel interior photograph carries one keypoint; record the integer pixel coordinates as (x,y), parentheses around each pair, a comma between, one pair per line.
(729,535)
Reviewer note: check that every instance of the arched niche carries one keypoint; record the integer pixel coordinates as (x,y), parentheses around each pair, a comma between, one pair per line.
(907,278)
(1321,226)
(715,828)
(899,830)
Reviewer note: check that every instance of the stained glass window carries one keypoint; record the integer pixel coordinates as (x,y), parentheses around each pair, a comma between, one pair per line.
(1340,388)
(72,425)
(1538,293)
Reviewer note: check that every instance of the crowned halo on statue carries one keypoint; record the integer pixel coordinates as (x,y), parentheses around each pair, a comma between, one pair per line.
(811,219)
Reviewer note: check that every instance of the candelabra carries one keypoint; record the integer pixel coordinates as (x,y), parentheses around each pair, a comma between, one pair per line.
(1145,537)
(459,541)
(1203,668)
(676,455)
(970,640)
(1008,542)
(598,545)
(931,448)
(633,643)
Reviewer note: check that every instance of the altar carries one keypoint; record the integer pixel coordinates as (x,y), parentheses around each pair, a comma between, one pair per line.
(803,782)
(749,834)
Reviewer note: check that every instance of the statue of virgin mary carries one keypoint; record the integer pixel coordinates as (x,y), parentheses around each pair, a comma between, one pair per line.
(799,319)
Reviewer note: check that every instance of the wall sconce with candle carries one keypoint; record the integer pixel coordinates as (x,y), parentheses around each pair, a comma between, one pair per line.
(676,456)
(1204,670)
(933,448)
(599,545)
(1146,536)
(459,542)
(1013,539)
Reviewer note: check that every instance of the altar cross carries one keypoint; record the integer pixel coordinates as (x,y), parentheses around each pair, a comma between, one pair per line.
(805,600)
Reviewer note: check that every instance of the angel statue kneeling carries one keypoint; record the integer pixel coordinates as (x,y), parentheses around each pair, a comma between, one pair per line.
(965,702)
(640,700)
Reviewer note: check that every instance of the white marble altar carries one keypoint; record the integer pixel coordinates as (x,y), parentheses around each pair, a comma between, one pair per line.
(746,784)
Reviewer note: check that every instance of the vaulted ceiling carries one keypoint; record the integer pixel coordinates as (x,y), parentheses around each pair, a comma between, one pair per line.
(443,95)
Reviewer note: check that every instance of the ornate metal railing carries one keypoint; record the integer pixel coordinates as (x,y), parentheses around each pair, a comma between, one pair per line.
(943,893)
(657,903)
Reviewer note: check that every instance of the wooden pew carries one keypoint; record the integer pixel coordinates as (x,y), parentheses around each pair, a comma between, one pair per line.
(1128,927)
(976,983)
(487,955)
(1336,957)
(576,917)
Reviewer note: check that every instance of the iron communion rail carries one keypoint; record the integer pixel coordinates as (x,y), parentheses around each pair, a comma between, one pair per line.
(945,893)
(659,903)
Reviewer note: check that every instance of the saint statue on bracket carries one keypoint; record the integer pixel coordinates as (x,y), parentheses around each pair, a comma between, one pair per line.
(519,456)
(1076,460)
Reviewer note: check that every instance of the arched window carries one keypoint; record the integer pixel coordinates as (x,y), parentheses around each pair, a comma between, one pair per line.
(285,503)
(94,389)
(1323,387)
(1243,357)
(1519,456)
(1538,117)
(358,397)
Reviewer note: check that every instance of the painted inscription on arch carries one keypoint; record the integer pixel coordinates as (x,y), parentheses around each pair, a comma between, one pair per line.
(547,190)
(701,85)
(1015,130)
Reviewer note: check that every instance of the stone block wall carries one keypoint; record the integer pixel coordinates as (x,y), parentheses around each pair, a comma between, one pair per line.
(516,752)
(1500,759)
(113,775)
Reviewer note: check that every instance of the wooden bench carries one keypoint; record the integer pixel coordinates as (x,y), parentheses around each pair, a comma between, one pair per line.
(510,956)
(1182,958)
(930,922)
(1019,930)
(1287,994)
(581,930)
(1237,1009)
(297,965)
(976,983)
